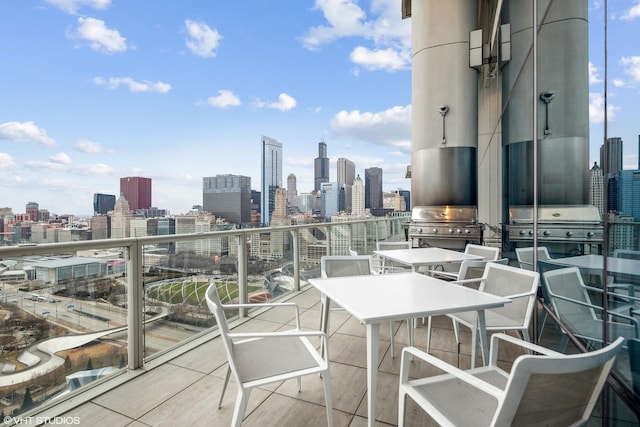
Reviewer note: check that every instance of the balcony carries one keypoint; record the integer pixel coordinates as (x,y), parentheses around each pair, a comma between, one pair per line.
(176,363)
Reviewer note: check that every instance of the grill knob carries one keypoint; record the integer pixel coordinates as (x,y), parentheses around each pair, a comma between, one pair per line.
(569,233)
(459,231)
(451,231)
(546,232)
(590,234)
(530,232)
(467,231)
(522,232)
(418,230)
(435,231)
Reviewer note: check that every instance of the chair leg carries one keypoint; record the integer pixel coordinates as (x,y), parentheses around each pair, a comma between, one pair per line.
(455,331)
(543,319)
(401,403)
(328,397)
(224,387)
(241,406)
(299,380)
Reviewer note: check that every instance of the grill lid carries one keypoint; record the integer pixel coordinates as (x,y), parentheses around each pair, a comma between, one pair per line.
(560,214)
(446,214)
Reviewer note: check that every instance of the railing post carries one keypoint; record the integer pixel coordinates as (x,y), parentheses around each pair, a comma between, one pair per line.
(243,287)
(296,258)
(135,305)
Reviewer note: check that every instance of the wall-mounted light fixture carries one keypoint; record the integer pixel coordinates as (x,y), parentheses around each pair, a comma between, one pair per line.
(443,110)
(547,97)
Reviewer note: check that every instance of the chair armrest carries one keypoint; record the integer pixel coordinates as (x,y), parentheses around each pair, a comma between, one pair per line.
(522,295)
(409,352)
(292,333)
(495,338)
(268,304)
(600,309)
(462,282)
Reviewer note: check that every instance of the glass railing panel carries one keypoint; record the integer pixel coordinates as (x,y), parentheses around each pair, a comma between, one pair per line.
(270,267)
(63,324)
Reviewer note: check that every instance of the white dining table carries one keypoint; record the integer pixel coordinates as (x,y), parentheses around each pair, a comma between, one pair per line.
(426,257)
(376,299)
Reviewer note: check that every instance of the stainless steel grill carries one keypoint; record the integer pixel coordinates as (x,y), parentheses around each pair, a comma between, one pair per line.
(577,223)
(444,226)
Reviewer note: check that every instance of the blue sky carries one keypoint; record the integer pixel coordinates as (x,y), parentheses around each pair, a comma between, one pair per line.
(94,90)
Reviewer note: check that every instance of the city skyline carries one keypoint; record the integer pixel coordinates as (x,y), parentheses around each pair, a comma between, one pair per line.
(105,89)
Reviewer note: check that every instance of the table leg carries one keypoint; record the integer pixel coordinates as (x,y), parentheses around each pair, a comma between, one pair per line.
(324,320)
(480,328)
(373,339)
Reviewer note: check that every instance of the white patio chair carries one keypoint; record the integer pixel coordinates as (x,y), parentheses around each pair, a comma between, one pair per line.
(256,359)
(452,271)
(549,389)
(387,266)
(469,269)
(525,256)
(571,302)
(518,285)
(350,265)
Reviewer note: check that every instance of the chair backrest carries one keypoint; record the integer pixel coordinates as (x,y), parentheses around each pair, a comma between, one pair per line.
(525,256)
(567,282)
(353,252)
(626,253)
(345,265)
(215,306)
(543,267)
(489,253)
(474,269)
(504,280)
(386,246)
(555,390)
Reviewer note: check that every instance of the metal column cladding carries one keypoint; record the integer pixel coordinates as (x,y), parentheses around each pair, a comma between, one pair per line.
(444,104)
(562,102)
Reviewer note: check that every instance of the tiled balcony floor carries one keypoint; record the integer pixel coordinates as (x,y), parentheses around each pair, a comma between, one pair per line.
(185,390)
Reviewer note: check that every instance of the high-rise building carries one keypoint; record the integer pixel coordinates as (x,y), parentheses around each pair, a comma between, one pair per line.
(629,193)
(137,191)
(279,213)
(120,218)
(32,210)
(373,189)
(346,171)
(271,176)
(596,188)
(614,146)
(103,203)
(292,190)
(357,198)
(330,198)
(321,167)
(228,196)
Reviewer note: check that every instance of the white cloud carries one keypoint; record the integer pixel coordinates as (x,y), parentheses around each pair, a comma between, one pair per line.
(381,59)
(38,165)
(61,158)
(631,66)
(133,85)
(632,13)
(285,103)
(95,169)
(390,127)
(619,83)
(203,40)
(593,74)
(390,36)
(87,146)
(24,132)
(72,6)
(6,162)
(596,109)
(225,98)
(100,38)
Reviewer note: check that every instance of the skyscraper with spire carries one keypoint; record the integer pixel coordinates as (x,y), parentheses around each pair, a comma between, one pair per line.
(321,167)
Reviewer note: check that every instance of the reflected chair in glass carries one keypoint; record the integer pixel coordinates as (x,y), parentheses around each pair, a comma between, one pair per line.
(525,256)
(452,271)
(257,359)
(571,302)
(387,266)
(626,253)
(547,388)
(518,285)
